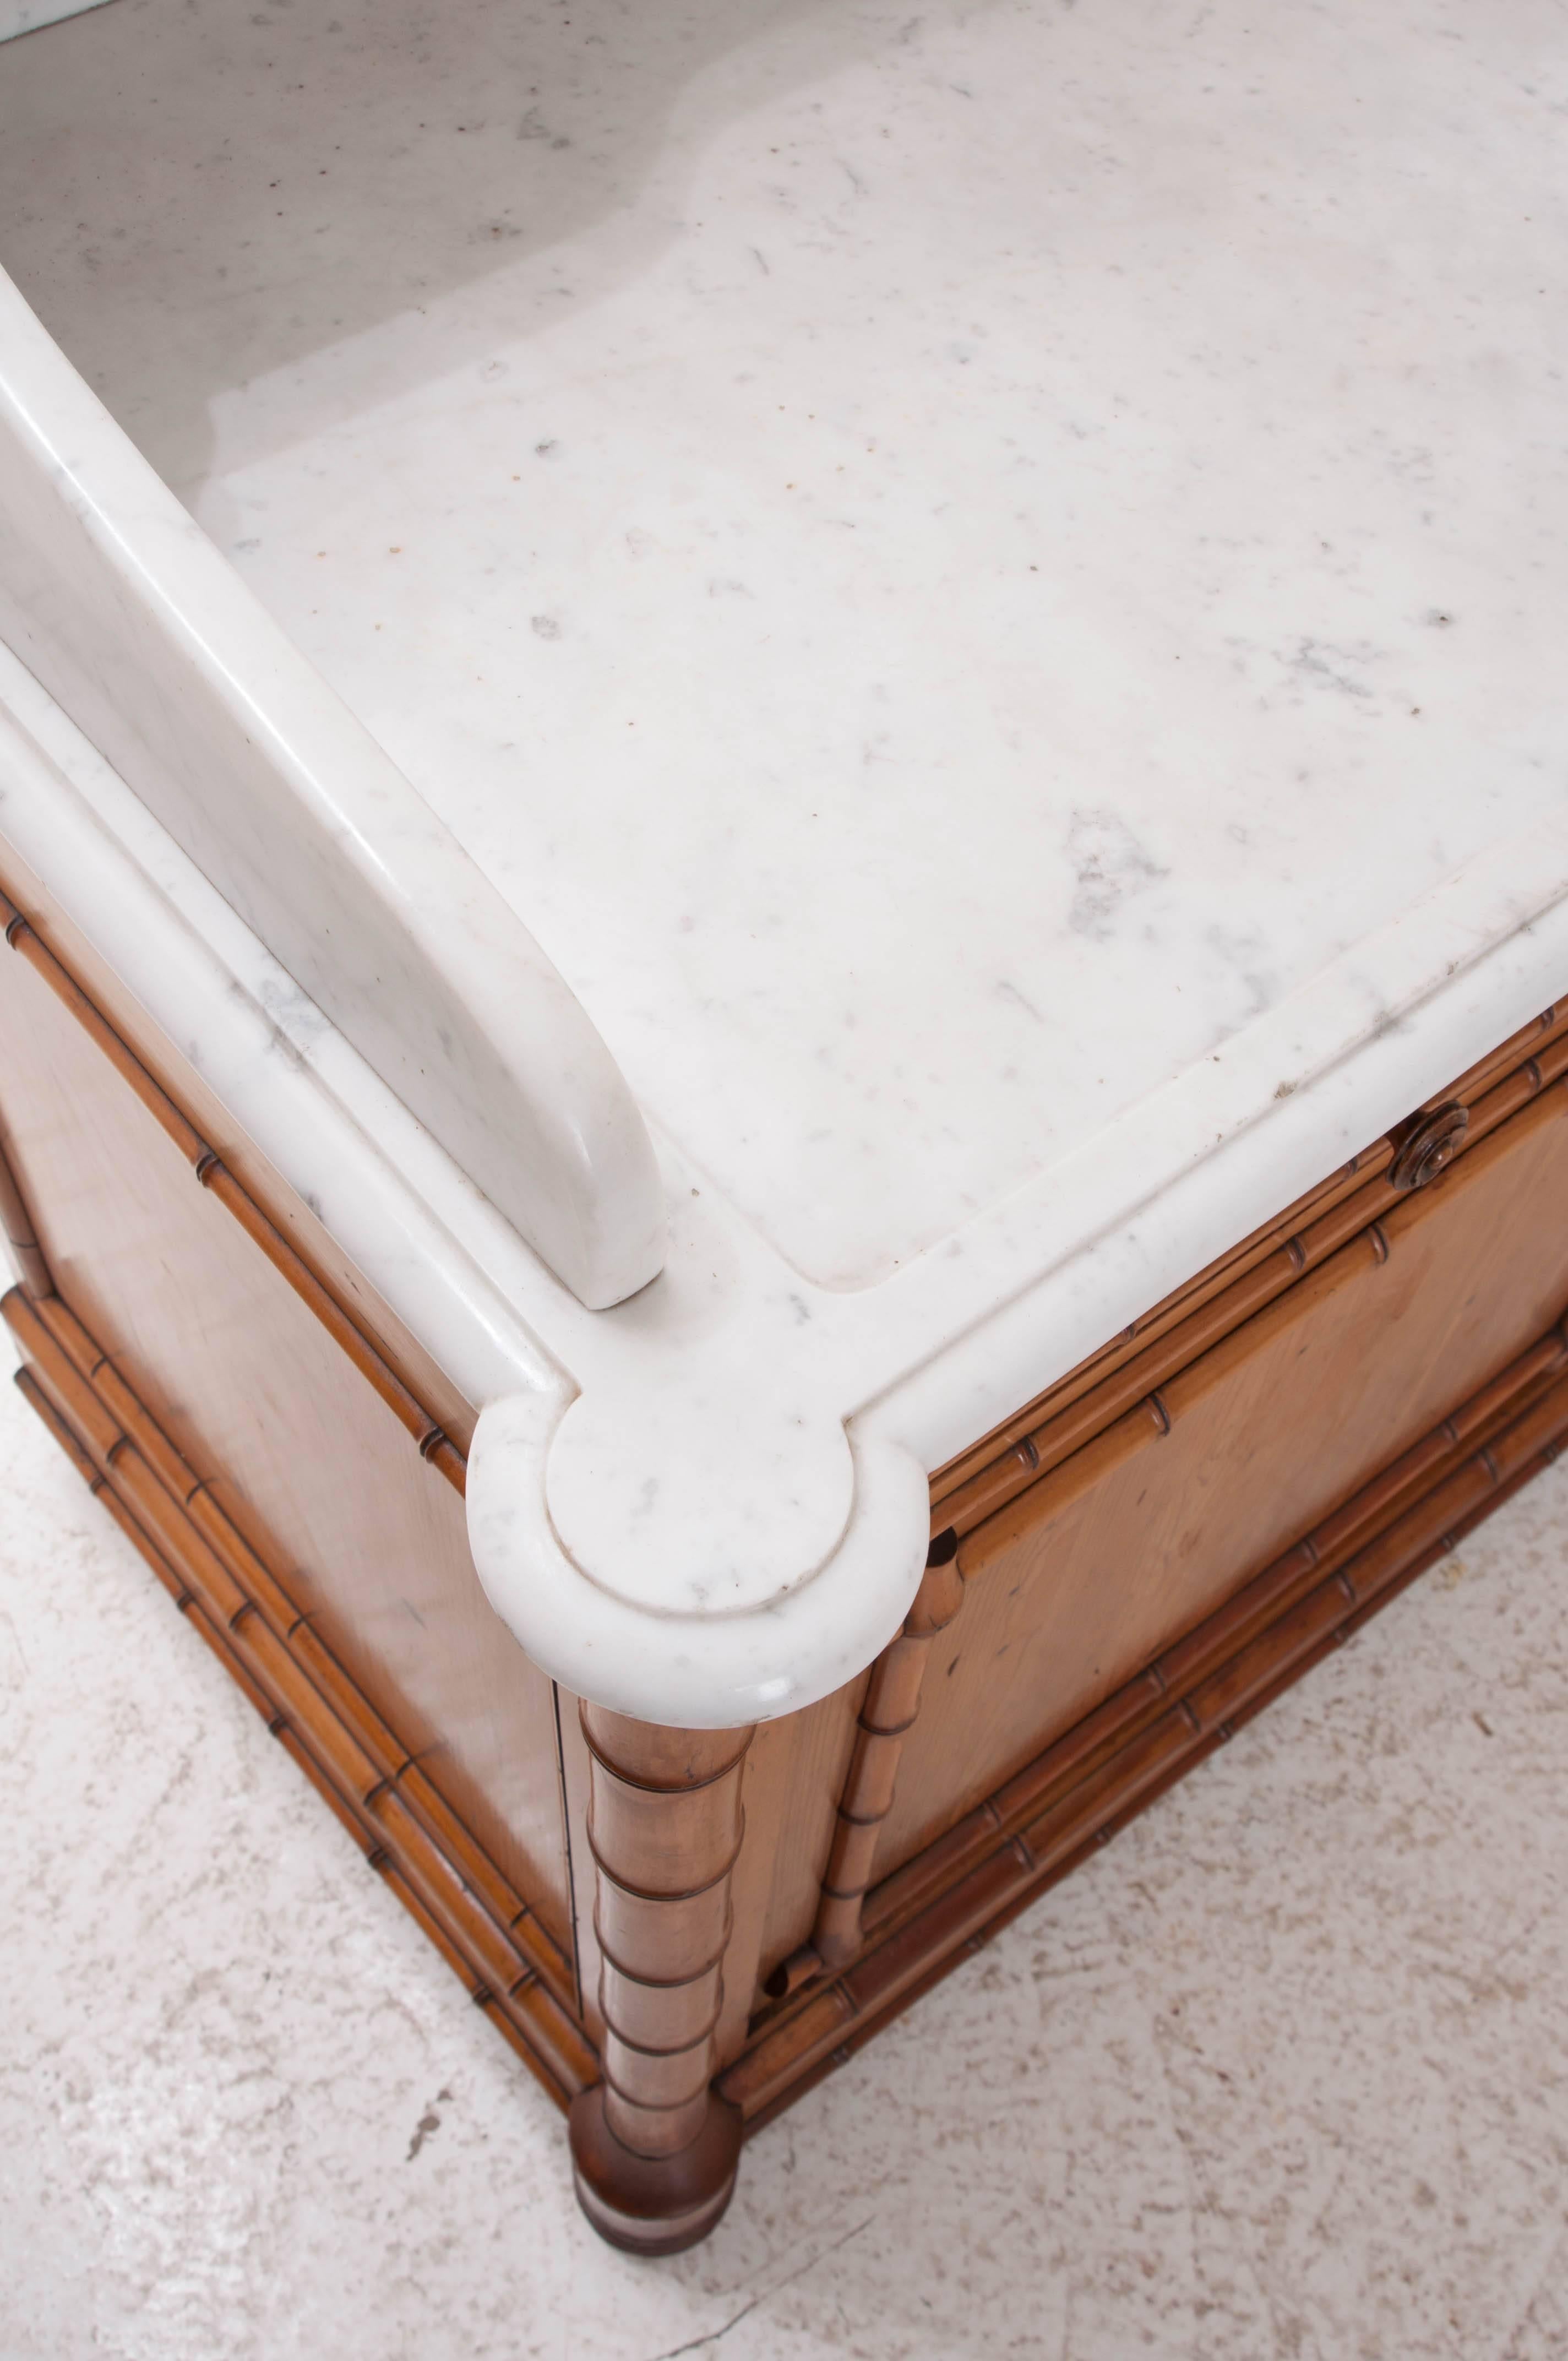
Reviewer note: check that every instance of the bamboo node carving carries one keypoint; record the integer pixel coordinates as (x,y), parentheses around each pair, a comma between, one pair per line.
(891,1708)
(653,2149)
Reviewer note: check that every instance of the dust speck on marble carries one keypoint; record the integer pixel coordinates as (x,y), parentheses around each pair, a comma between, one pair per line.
(1110,865)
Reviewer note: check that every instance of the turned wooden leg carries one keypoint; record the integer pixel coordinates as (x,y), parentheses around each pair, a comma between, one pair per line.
(654,2148)
(892,1701)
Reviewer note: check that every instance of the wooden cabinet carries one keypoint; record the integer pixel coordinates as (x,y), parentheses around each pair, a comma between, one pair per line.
(1075,1585)
(680,1931)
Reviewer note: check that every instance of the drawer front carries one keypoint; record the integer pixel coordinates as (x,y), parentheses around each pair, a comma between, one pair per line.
(1076,1584)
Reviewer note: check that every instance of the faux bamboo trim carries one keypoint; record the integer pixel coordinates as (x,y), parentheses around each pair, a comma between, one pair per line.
(1032,1831)
(666,2049)
(665,1983)
(844,1916)
(653,1894)
(1008,1461)
(890,1709)
(629,2093)
(1270,1593)
(33,1394)
(346,1699)
(607,1763)
(481,1925)
(1060,1422)
(657,2100)
(432,1442)
(1042,1823)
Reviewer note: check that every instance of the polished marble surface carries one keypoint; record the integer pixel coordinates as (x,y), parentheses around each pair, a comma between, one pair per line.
(948,564)
(128,618)
(986,581)
(1282,2075)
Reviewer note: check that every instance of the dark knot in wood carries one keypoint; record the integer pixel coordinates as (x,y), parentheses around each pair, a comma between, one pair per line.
(1427,1143)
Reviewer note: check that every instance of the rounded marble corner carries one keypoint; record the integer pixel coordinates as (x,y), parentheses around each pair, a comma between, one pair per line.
(641,1648)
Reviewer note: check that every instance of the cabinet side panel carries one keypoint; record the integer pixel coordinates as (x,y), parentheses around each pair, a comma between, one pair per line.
(795,1772)
(287,1211)
(311,1465)
(1078,1583)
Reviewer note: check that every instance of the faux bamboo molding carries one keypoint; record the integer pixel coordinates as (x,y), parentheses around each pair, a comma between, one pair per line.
(1038,1826)
(655,2141)
(486,1930)
(892,1704)
(1347,1529)
(1427,1145)
(1156,1348)
(214,1176)
(654,2151)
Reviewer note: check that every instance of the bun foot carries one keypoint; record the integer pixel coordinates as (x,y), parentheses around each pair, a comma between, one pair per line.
(652,2204)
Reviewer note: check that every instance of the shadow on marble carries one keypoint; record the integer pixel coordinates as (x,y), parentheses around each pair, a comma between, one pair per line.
(1284,2073)
(197,193)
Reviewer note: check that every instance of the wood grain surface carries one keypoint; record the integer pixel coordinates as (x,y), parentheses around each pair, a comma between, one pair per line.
(310,1445)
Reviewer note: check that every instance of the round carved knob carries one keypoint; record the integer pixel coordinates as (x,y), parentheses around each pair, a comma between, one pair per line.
(1428,1142)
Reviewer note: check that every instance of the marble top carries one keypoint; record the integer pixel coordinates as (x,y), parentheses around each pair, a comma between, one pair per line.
(988,583)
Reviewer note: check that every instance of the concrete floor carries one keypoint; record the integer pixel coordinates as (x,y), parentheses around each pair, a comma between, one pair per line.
(1284,2071)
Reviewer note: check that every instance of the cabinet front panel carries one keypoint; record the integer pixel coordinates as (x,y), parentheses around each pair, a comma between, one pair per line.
(1080,1582)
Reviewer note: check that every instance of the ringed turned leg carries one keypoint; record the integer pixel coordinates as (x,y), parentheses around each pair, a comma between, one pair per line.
(654,2150)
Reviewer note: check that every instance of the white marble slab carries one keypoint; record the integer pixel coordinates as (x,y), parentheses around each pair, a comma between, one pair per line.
(120,606)
(989,586)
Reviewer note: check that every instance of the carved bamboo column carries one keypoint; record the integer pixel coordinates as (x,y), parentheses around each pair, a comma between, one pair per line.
(654,2148)
(892,1702)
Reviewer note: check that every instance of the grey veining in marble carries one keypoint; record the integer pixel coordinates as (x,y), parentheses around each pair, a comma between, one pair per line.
(896,530)
(986,581)
(121,608)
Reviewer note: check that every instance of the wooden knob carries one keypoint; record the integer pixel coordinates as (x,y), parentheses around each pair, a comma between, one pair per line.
(1427,1143)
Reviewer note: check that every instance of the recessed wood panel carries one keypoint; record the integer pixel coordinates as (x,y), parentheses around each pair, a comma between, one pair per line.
(1076,1584)
(288,1212)
(309,1463)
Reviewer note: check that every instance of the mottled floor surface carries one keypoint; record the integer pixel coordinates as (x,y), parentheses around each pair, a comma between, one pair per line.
(1283,2072)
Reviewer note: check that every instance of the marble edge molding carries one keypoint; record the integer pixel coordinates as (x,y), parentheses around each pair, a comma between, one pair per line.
(704,1508)
(144,633)
(693,1669)
(338,1136)
(705,1502)
(1177,1179)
